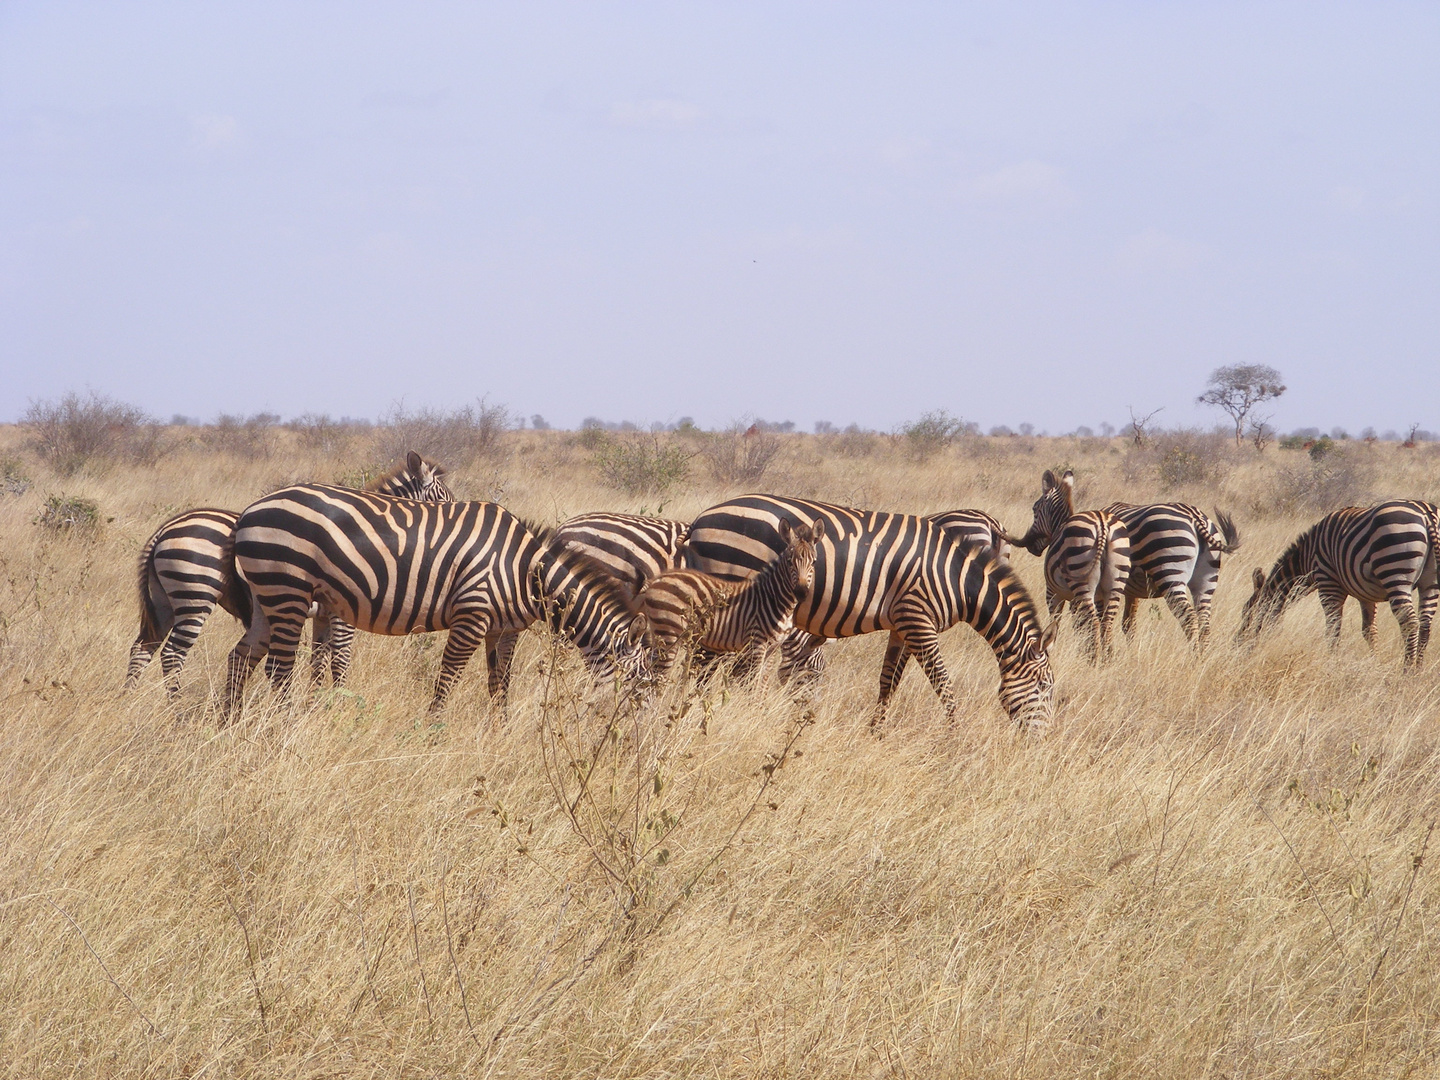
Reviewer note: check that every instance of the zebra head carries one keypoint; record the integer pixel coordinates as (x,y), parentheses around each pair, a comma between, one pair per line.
(1260,605)
(1055,506)
(1027,685)
(416,479)
(798,558)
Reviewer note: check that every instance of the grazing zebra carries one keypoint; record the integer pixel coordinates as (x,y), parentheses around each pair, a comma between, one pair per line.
(184,574)
(895,572)
(730,616)
(1376,553)
(1087,561)
(802,656)
(975,527)
(633,548)
(1175,554)
(390,565)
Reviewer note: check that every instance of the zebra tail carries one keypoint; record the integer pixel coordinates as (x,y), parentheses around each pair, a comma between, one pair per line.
(1229,540)
(236,596)
(157,617)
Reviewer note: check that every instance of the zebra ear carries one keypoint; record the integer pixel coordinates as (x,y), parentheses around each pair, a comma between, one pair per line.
(817,529)
(785,531)
(1259,579)
(414,462)
(1047,480)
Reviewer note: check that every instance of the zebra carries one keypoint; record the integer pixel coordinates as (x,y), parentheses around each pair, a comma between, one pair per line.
(894,572)
(802,656)
(633,548)
(390,565)
(1175,553)
(1376,553)
(184,576)
(1087,561)
(728,616)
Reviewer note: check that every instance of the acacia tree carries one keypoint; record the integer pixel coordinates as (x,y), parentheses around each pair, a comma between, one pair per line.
(1238,388)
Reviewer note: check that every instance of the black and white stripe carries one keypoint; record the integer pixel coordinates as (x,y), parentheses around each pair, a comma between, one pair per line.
(185,575)
(631,547)
(693,607)
(1175,552)
(895,572)
(395,566)
(1378,553)
(1087,561)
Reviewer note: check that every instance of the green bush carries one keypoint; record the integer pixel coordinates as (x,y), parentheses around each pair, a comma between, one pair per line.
(13,478)
(640,464)
(69,512)
(933,432)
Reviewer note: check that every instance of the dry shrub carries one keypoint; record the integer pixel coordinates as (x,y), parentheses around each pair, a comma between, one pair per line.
(69,432)
(1339,476)
(322,434)
(457,438)
(855,442)
(926,437)
(1180,458)
(641,464)
(741,454)
(14,480)
(249,437)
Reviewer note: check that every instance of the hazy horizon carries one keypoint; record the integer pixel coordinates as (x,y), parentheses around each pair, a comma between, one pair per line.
(1041,214)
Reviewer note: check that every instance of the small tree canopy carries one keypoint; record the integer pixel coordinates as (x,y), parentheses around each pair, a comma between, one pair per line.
(1238,388)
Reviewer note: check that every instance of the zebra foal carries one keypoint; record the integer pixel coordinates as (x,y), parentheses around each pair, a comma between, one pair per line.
(186,572)
(895,572)
(1087,561)
(691,606)
(1378,553)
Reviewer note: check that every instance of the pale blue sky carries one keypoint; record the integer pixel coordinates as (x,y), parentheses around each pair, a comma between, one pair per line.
(1017,212)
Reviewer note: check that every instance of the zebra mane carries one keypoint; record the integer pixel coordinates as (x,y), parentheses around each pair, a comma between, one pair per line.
(1294,560)
(590,572)
(1010,584)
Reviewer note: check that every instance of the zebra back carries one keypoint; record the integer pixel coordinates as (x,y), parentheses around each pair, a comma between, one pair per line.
(1168,542)
(880,571)
(1370,553)
(975,527)
(631,547)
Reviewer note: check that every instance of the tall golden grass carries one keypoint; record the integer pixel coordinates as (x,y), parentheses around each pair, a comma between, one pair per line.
(1211,867)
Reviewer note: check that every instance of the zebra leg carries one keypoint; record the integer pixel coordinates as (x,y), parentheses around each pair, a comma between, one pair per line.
(924,642)
(182,638)
(891,670)
(1429,599)
(1332,603)
(499,652)
(1202,619)
(465,636)
(1086,621)
(285,630)
(1367,622)
(1127,616)
(320,647)
(342,650)
(1403,605)
(141,653)
(1183,608)
(247,653)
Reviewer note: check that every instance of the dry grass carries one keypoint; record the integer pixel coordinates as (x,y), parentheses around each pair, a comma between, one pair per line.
(1209,868)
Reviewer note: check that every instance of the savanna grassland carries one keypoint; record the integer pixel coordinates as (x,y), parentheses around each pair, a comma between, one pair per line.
(1218,866)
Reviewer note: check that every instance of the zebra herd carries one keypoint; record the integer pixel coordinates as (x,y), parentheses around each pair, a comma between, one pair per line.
(751,576)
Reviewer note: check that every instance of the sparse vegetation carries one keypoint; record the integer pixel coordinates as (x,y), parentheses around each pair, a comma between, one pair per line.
(75,430)
(934,431)
(641,464)
(742,454)
(459,437)
(1223,860)
(66,513)
(251,437)
(1237,389)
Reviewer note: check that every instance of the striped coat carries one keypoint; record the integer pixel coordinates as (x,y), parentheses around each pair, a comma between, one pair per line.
(1087,561)
(633,548)
(750,617)
(394,566)
(1376,554)
(893,572)
(1175,552)
(185,573)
